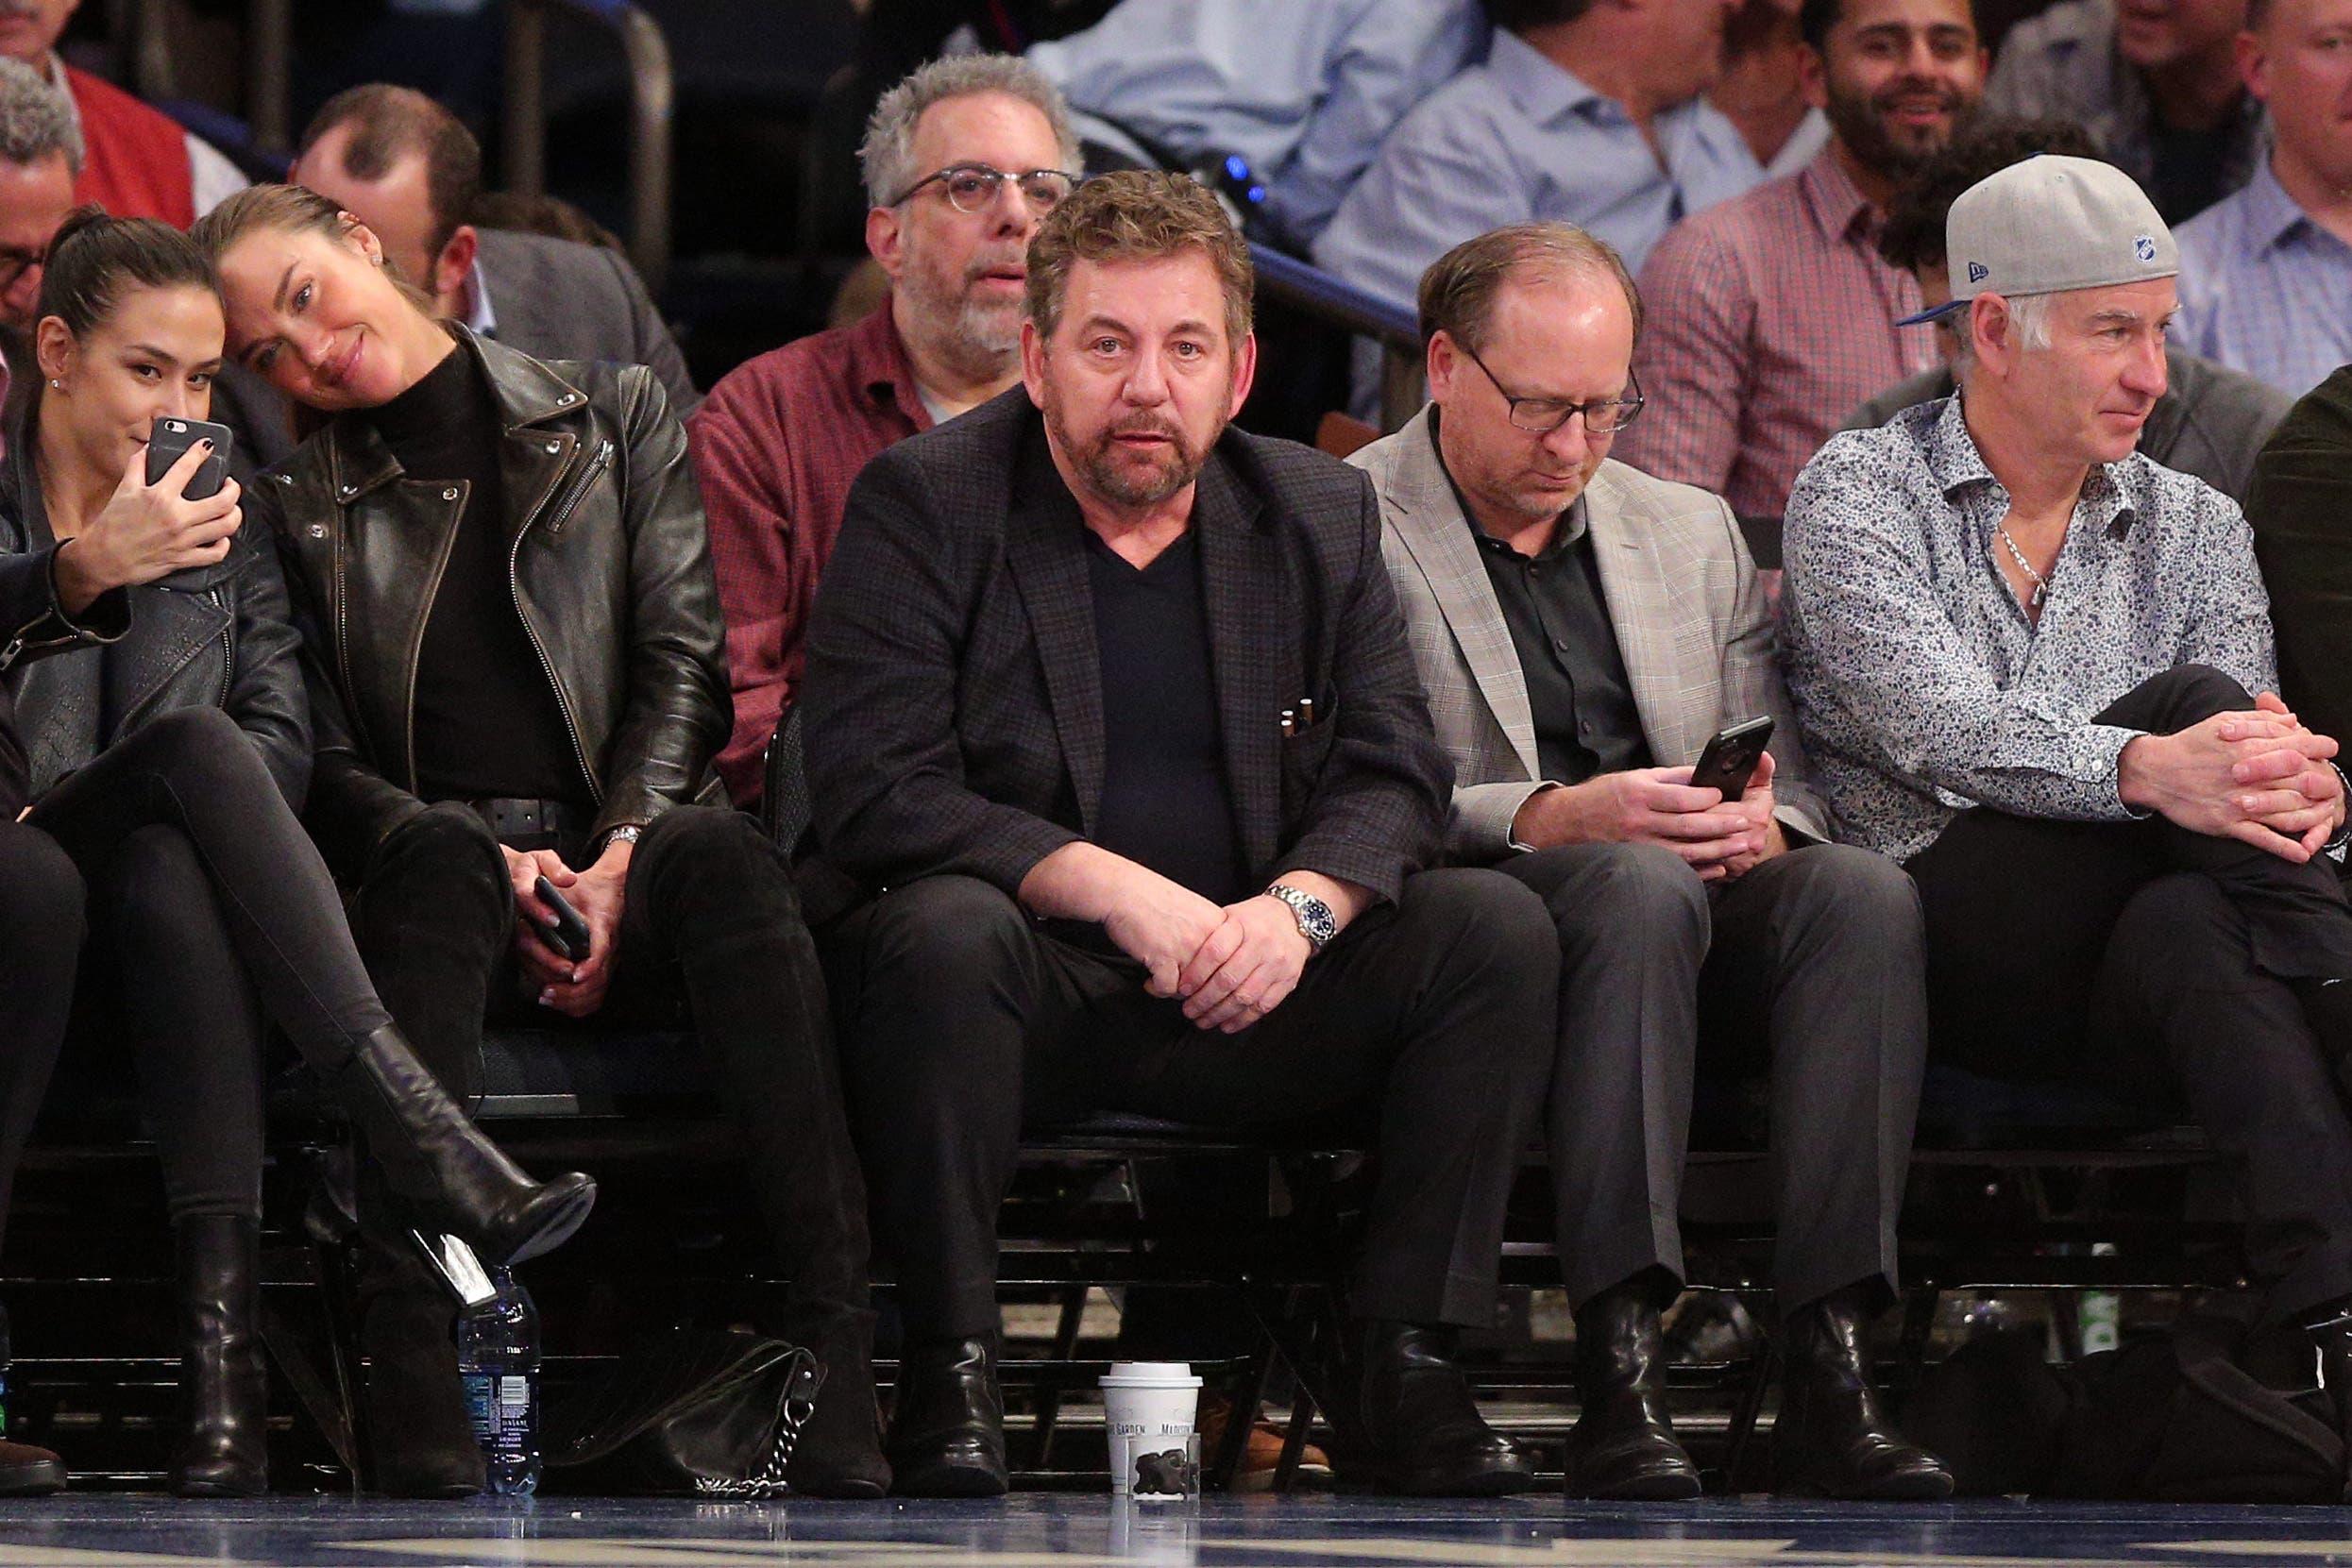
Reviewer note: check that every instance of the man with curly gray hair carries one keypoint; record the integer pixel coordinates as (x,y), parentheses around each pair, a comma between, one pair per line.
(41,155)
(962,161)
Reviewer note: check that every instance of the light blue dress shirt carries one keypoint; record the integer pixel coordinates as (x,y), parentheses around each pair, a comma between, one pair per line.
(1519,140)
(1303,89)
(2264,289)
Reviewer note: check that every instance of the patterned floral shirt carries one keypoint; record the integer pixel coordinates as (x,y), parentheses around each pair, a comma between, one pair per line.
(1921,686)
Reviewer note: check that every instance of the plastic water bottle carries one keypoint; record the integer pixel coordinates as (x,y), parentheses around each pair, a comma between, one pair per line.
(497,1355)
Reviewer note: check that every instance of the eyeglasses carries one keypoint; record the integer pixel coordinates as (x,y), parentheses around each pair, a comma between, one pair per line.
(972,187)
(16,263)
(1543,416)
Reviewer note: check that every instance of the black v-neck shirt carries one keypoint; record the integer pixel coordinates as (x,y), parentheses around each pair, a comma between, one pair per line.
(1165,803)
(489,722)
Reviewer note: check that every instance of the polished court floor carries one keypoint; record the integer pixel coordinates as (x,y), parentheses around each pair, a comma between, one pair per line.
(1046,1531)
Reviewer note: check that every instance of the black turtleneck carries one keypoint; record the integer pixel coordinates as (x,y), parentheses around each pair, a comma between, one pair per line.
(487,721)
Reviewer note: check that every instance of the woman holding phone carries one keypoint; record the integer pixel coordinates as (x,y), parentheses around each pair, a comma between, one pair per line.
(504,577)
(158,750)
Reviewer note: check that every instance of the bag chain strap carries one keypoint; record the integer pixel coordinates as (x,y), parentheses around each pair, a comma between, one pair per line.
(768,1481)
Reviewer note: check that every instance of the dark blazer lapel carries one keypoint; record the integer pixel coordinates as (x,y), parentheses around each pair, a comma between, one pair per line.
(1252,635)
(1044,546)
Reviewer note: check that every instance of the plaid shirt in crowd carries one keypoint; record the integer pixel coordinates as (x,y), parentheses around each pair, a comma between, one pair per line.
(1769,319)
(776,446)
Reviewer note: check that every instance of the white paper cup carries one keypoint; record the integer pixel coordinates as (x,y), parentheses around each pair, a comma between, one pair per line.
(1150,1408)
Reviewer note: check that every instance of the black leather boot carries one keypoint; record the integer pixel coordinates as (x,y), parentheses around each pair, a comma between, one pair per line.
(420,1439)
(440,1165)
(1623,1446)
(839,1454)
(224,1386)
(1412,1422)
(1830,1439)
(947,1423)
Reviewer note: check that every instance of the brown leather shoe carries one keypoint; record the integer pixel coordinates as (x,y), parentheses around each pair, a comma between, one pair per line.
(1262,1451)
(29,1472)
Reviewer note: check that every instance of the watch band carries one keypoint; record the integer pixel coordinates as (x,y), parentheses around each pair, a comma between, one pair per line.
(1315,921)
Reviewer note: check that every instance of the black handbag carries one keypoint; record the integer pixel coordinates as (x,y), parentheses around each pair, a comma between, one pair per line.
(701,1415)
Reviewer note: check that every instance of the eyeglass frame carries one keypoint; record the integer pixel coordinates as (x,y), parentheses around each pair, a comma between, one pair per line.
(994,174)
(16,263)
(1632,405)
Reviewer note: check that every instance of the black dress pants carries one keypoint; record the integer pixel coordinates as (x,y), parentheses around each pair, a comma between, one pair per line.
(960,1020)
(711,936)
(40,941)
(1810,963)
(2152,961)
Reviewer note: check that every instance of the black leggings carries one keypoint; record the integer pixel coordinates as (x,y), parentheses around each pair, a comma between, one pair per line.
(203,891)
(163,1004)
(40,935)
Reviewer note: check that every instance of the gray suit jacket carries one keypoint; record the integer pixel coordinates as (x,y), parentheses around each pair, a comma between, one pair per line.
(2210,423)
(1691,621)
(555,300)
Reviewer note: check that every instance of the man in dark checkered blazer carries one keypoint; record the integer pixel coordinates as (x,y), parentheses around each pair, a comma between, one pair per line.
(1090,671)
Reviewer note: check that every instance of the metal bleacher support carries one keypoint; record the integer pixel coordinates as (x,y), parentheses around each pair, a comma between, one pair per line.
(1325,299)
(268,61)
(653,103)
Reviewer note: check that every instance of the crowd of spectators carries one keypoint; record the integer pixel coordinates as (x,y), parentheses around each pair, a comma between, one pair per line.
(1161,768)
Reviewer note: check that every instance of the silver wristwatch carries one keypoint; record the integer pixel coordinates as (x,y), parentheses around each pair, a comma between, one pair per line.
(628,833)
(1315,919)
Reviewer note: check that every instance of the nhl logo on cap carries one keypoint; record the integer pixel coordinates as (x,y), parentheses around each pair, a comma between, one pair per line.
(2052,224)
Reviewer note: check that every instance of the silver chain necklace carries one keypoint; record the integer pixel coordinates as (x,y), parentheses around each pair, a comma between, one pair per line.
(2041,585)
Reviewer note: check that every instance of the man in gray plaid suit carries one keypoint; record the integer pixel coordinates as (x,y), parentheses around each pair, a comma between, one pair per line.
(1088,671)
(1583,630)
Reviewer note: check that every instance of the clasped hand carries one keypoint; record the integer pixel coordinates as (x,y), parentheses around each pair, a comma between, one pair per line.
(2258,776)
(1232,965)
(574,989)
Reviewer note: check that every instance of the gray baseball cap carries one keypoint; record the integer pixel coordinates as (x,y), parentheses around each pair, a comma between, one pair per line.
(2048,225)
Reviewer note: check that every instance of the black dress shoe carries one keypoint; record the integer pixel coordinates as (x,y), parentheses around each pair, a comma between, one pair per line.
(420,1439)
(839,1452)
(1830,1439)
(224,1386)
(1623,1446)
(947,1424)
(1411,1422)
(445,1174)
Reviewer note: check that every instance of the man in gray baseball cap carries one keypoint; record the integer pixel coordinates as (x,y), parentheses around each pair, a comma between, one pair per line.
(2036,667)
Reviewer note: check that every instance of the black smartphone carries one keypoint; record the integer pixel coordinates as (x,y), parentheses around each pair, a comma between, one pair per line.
(168,441)
(567,934)
(1730,760)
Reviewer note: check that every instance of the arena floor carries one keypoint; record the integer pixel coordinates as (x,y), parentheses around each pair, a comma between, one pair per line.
(1040,1531)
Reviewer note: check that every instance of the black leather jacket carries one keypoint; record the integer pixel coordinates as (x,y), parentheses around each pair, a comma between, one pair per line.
(610,571)
(213,636)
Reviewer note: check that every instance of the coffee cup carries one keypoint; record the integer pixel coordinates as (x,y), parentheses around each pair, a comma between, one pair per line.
(1150,1409)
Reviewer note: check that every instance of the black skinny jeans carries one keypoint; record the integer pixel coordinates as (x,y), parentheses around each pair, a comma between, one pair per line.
(710,934)
(199,883)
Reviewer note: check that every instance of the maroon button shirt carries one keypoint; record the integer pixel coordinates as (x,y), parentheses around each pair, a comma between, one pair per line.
(776,445)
